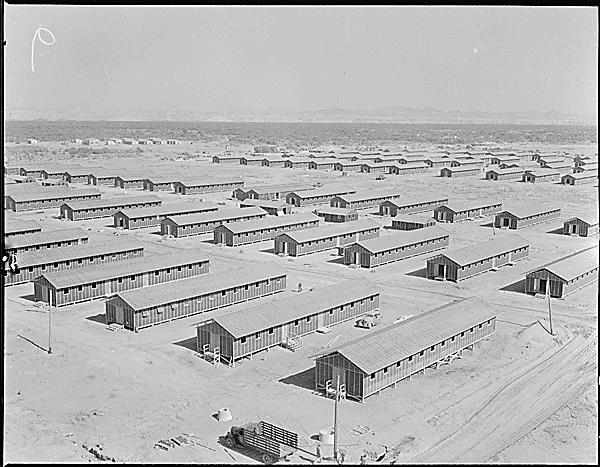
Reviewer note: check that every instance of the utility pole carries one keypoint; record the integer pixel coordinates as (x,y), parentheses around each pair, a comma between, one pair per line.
(549,308)
(50,322)
(335,421)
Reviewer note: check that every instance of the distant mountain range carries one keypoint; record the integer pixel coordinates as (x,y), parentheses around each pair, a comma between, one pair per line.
(383,115)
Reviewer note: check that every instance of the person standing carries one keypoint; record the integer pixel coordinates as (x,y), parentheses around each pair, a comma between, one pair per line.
(319,456)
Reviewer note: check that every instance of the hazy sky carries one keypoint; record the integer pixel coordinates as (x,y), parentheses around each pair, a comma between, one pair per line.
(209,58)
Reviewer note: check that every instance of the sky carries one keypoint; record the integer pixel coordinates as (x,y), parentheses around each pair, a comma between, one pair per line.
(304,58)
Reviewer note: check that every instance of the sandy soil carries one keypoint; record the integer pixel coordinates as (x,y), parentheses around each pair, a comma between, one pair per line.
(520,396)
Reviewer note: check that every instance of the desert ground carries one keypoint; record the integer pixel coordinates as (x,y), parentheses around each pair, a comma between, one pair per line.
(521,396)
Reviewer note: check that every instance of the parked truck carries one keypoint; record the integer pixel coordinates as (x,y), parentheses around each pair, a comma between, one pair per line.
(370,319)
(272,442)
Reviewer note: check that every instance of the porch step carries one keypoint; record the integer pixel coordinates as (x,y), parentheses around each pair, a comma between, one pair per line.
(114,327)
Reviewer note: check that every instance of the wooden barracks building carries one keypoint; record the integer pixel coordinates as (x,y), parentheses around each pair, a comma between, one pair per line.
(564,276)
(49,197)
(336,215)
(283,322)
(152,216)
(364,200)
(525,216)
(317,196)
(582,226)
(395,247)
(14,227)
(369,364)
(138,309)
(412,222)
(95,209)
(325,237)
(411,206)
(45,239)
(466,210)
(78,285)
(190,187)
(260,230)
(477,258)
(32,264)
(197,224)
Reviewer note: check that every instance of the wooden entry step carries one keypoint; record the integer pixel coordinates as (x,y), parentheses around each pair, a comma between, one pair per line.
(114,327)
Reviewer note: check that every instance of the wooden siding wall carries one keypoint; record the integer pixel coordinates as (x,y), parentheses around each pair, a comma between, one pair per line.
(403,225)
(120,183)
(22,232)
(462,173)
(371,260)
(45,246)
(105,211)
(309,201)
(19,206)
(393,210)
(516,223)
(28,274)
(580,181)
(583,229)
(323,244)
(188,190)
(363,204)
(528,177)
(198,304)
(113,285)
(456,273)
(559,288)
(203,227)
(269,337)
(329,365)
(408,170)
(452,216)
(338,218)
(348,168)
(223,235)
(93,180)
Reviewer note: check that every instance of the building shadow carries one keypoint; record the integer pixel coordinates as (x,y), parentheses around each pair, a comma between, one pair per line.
(268,250)
(29,298)
(337,260)
(558,231)
(210,240)
(189,344)
(305,379)
(518,287)
(489,224)
(99,318)
(418,273)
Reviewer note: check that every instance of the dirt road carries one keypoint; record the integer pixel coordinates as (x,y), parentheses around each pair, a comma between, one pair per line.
(520,405)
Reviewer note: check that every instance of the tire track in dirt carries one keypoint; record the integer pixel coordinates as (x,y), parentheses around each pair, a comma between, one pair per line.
(520,405)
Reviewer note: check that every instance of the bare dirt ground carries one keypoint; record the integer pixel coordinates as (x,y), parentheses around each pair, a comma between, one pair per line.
(522,396)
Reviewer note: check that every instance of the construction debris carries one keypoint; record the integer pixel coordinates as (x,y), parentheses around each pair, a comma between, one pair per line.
(184,439)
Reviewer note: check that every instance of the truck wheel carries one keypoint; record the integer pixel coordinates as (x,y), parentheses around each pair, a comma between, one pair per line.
(266,458)
(229,442)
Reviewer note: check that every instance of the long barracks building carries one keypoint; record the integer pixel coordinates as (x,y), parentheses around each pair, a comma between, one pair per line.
(14,227)
(411,206)
(247,331)
(477,258)
(565,275)
(95,209)
(196,224)
(45,239)
(137,309)
(364,200)
(325,237)
(189,187)
(525,216)
(395,247)
(466,210)
(32,264)
(49,197)
(318,196)
(82,284)
(153,216)
(369,364)
(260,230)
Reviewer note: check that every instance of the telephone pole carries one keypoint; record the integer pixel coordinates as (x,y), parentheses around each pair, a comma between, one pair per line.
(50,322)
(335,421)
(550,309)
